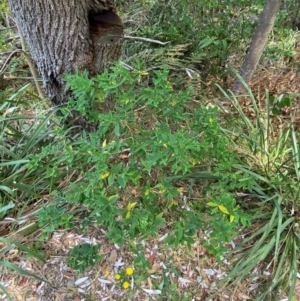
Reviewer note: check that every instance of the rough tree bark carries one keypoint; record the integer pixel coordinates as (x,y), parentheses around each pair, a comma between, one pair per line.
(64,35)
(258,43)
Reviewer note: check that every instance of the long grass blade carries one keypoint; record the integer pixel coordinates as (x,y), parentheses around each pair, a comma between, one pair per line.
(37,137)
(6,293)
(7,189)
(23,248)
(296,155)
(21,271)
(14,162)
(293,269)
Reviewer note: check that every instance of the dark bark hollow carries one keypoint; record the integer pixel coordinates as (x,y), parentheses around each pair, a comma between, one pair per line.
(106,33)
(65,35)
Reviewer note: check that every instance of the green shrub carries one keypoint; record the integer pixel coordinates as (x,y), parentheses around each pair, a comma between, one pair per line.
(148,144)
(84,256)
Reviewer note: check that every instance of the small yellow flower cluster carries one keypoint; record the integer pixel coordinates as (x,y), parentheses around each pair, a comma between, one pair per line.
(128,272)
(126,285)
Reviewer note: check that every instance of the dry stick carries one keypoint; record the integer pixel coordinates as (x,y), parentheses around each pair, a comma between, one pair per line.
(19,77)
(31,67)
(145,40)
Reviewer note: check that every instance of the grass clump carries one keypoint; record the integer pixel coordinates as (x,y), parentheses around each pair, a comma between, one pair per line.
(271,158)
(21,136)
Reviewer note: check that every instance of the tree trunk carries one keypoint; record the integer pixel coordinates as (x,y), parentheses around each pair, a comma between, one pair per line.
(64,35)
(258,43)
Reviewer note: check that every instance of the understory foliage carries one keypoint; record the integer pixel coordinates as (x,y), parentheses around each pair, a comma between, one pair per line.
(160,162)
(166,158)
(129,175)
(206,35)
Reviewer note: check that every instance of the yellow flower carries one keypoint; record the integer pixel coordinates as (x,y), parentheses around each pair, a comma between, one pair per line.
(129,271)
(107,272)
(118,277)
(126,285)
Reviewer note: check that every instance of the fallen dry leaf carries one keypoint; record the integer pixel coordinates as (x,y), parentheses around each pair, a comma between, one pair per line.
(113,256)
(151,258)
(155,268)
(243,296)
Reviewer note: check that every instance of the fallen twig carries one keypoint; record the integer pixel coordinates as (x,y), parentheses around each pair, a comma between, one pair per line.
(145,40)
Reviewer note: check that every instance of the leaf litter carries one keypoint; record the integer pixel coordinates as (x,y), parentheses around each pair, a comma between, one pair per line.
(193,272)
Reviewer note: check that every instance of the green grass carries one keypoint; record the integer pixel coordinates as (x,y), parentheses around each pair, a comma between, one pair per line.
(12,244)
(271,158)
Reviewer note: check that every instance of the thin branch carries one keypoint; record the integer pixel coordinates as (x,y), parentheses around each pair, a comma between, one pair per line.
(18,77)
(128,67)
(145,40)
(9,39)
(7,28)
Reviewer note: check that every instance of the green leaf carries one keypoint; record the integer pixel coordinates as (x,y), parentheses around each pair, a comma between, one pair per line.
(276,112)
(285,102)
(212,204)
(7,207)
(14,162)
(223,209)
(7,189)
